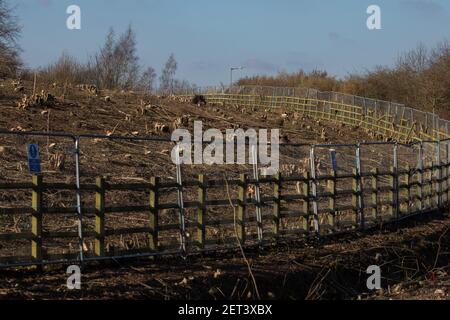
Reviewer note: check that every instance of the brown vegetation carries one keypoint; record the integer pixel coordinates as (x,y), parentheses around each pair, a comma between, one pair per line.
(420,79)
(115,67)
(9,34)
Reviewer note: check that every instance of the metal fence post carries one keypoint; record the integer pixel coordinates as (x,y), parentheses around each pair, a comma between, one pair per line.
(79,210)
(259,226)
(314,189)
(361,219)
(396,184)
(180,203)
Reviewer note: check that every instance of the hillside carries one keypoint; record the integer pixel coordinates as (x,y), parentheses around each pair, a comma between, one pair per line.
(333,268)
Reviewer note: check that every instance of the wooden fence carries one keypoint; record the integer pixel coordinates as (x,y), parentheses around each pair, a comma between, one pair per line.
(292,206)
(384,196)
(387,124)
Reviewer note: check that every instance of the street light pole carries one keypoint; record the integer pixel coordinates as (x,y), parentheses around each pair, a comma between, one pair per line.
(231,74)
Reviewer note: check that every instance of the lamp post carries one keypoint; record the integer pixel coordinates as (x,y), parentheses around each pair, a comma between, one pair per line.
(231,74)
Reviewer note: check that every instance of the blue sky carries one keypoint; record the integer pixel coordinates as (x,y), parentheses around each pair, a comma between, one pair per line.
(266,36)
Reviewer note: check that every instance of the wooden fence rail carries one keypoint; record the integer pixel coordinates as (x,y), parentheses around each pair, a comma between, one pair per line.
(369,202)
(398,127)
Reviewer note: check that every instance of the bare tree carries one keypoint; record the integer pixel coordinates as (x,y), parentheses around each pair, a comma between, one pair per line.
(168,74)
(183,86)
(104,62)
(116,64)
(147,80)
(9,35)
(415,60)
(66,70)
(127,68)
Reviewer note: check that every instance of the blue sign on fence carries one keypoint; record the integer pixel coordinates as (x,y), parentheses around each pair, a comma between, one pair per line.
(34,160)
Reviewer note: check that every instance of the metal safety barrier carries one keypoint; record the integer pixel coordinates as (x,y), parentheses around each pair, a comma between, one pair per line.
(361,186)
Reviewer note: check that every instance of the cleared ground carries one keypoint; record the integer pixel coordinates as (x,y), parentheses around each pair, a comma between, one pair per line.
(415,256)
(414,262)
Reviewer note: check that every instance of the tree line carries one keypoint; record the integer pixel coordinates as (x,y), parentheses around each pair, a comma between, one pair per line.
(115,65)
(419,78)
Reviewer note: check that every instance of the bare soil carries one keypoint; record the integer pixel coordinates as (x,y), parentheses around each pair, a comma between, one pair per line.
(414,258)
(414,261)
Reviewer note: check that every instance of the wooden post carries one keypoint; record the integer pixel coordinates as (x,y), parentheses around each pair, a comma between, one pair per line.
(154,204)
(391,192)
(36,218)
(201,211)
(306,202)
(331,186)
(100,217)
(241,208)
(374,195)
(277,204)
(355,202)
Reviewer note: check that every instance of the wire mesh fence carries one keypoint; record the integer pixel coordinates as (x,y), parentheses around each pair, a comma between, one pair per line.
(401,122)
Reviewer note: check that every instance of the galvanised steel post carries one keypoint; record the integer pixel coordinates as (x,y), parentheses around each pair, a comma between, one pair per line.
(259,226)
(360,188)
(180,203)
(78,195)
(396,182)
(314,189)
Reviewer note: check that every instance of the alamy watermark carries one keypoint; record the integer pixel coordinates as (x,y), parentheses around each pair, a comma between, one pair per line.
(236,146)
(73,22)
(374,20)
(374,280)
(74,280)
